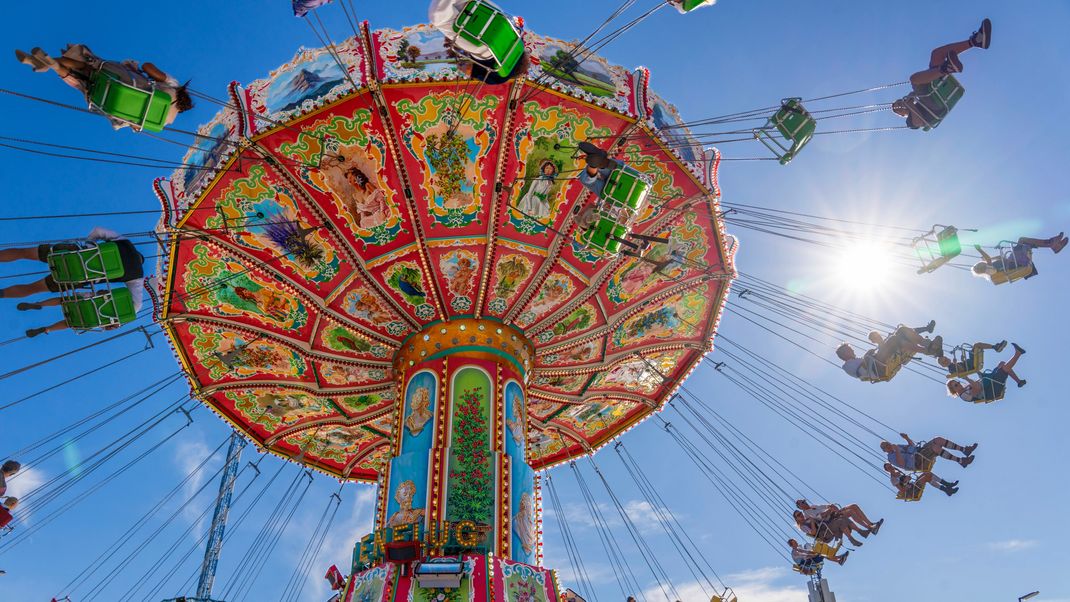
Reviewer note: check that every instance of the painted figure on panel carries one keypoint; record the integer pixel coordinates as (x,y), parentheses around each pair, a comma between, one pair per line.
(516,423)
(420,410)
(406,514)
(524,522)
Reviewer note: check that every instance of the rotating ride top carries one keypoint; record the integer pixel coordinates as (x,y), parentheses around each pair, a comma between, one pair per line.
(382,274)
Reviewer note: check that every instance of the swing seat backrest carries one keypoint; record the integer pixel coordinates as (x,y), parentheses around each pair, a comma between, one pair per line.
(690,5)
(889,370)
(92,264)
(141,108)
(604,235)
(825,549)
(913,495)
(625,187)
(805,571)
(942,96)
(109,308)
(999,396)
(794,124)
(936,248)
(484,25)
(950,245)
(961,360)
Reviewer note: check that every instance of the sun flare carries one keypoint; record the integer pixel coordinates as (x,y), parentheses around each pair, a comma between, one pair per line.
(864,268)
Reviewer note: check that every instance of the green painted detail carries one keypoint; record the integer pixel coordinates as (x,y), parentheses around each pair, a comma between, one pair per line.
(470,494)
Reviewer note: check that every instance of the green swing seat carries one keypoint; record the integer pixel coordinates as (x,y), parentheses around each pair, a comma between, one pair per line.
(143,109)
(108,308)
(605,235)
(795,127)
(690,5)
(97,262)
(937,247)
(624,194)
(937,100)
(625,187)
(484,25)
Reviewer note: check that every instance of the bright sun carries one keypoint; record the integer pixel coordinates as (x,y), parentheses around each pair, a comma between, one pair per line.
(863,268)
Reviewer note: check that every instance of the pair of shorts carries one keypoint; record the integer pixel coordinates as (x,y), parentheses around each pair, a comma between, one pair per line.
(925,457)
(1020,256)
(993,383)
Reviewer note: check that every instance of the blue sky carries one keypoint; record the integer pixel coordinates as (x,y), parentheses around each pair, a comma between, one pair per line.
(996,163)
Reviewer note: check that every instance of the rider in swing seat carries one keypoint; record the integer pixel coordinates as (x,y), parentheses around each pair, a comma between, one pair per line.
(920,457)
(934,90)
(128,93)
(875,365)
(132,275)
(910,490)
(826,512)
(489,42)
(971,361)
(806,558)
(8,470)
(597,167)
(991,385)
(1017,262)
(5,511)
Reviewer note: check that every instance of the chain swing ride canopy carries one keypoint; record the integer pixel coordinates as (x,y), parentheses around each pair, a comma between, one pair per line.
(339,225)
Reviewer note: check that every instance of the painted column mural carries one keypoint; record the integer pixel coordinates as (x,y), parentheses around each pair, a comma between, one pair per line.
(459,449)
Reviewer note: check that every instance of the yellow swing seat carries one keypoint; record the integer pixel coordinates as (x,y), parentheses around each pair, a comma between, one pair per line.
(890,369)
(960,357)
(1009,268)
(913,496)
(727,596)
(826,550)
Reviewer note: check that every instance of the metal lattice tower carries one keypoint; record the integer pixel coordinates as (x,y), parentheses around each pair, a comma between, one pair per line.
(219,518)
(819,589)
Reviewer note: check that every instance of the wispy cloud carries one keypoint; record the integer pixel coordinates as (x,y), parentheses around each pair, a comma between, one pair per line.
(596,572)
(1012,545)
(189,454)
(25,481)
(758,585)
(354,520)
(640,512)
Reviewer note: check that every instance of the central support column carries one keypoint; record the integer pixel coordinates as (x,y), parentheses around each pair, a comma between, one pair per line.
(459,443)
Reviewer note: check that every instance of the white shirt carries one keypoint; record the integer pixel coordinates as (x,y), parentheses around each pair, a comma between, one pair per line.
(136,287)
(815,512)
(802,553)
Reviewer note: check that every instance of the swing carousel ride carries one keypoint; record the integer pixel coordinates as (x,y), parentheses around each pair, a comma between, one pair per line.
(378,265)
(383,279)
